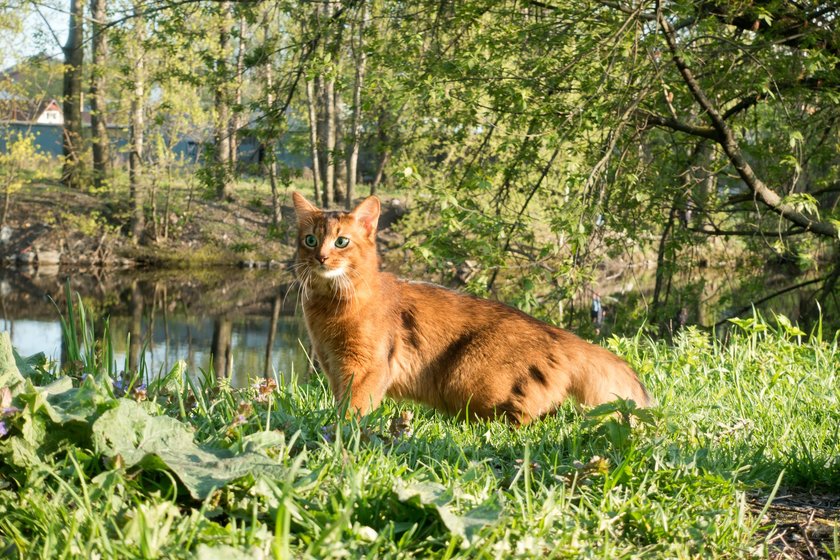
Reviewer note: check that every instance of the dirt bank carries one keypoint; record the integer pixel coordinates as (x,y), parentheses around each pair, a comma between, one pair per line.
(50,226)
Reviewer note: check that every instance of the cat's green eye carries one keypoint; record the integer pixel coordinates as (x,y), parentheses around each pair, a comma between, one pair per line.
(310,240)
(342,242)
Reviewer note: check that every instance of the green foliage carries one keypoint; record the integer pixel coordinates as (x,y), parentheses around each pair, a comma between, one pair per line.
(189,466)
(131,436)
(92,224)
(19,162)
(538,145)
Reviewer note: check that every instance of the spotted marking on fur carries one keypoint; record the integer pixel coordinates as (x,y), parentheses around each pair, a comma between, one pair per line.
(409,323)
(456,348)
(518,388)
(538,375)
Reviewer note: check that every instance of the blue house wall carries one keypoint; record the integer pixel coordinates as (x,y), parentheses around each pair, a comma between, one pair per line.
(48,142)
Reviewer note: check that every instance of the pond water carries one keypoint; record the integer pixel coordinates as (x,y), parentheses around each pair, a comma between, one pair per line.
(242,323)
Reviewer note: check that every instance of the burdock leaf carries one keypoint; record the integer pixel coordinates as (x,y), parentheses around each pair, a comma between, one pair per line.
(422,493)
(64,403)
(436,497)
(9,373)
(162,442)
(27,365)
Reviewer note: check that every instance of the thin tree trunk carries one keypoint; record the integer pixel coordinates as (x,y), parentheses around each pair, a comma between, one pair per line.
(6,201)
(339,156)
(73,66)
(9,176)
(166,203)
(222,103)
(236,113)
(7,198)
(275,195)
(153,201)
(269,151)
(383,148)
(313,138)
(99,130)
(328,140)
(380,172)
(360,58)
(136,133)
(661,263)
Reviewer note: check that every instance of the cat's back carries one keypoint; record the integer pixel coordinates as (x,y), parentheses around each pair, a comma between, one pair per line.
(449,309)
(482,351)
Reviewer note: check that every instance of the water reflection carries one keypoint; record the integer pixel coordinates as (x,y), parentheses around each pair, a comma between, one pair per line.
(243,324)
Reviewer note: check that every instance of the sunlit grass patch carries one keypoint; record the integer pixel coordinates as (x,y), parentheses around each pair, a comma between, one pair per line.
(116,465)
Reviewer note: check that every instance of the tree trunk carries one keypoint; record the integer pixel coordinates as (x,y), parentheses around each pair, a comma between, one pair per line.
(222,103)
(7,198)
(313,138)
(73,61)
(383,148)
(153,203)
(166,204)
(328,139)
(236,113)
(136,132)
(269,149)
(380,172)
(360,59)
(98,128)
(662,263)
(339,157)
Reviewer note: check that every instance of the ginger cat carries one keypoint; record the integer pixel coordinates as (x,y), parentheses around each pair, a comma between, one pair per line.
(375,334)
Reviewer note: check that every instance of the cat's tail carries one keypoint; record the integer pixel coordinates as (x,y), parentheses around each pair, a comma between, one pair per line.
(607,379)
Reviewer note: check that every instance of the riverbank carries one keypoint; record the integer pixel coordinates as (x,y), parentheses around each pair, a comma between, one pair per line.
(50,226)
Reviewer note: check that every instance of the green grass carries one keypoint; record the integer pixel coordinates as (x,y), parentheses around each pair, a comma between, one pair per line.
(734,422)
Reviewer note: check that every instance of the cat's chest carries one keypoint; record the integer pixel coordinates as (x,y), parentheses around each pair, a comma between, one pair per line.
(340,329)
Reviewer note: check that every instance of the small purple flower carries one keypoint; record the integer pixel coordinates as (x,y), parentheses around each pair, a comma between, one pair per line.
(4,429)
(119,387)
(327,434)
(9,411)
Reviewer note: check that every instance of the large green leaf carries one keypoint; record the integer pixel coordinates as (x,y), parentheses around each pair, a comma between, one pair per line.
(433,496)
(9,373)
(161,442)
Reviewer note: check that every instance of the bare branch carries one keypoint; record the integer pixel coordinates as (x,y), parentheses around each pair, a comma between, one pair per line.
(771,296)
(746,232)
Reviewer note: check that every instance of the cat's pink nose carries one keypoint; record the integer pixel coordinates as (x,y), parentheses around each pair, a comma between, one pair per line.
(322,258)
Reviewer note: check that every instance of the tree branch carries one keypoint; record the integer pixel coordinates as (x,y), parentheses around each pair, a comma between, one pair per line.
(674,124)
(730,146)
(744,104)
(746,232)
(771,296)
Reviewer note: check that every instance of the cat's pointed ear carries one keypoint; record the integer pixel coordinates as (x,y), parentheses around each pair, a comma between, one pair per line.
(367,214)
(303,208)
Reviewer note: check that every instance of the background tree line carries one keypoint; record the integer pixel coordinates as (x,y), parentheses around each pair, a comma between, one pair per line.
(537,139)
